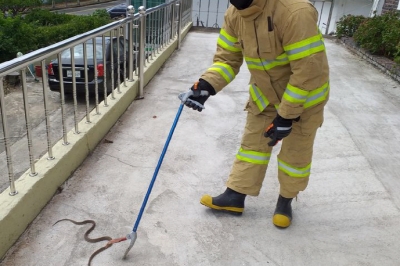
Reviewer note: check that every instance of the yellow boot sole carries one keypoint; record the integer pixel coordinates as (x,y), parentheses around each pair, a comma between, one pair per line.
(281,221)
(206,200)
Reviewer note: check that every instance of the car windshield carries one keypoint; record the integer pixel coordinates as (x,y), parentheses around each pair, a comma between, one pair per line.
(78,52)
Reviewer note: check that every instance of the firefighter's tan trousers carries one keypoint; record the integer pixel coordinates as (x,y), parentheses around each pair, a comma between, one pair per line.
(294,158)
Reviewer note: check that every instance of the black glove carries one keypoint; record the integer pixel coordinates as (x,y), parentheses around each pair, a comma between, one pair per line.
(202,85)
(279,129)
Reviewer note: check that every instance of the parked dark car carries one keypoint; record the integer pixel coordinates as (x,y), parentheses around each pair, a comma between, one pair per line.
(117,11)
(53,67)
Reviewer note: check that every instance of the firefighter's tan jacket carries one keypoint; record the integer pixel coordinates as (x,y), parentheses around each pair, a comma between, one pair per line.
(284,51)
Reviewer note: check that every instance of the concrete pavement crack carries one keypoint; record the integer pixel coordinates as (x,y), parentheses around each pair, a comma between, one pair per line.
(131,165)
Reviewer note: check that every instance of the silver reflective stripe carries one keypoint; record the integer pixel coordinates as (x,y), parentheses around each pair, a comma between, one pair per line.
(316,96)
(228,42)
(226,71)
(254,157)
(260,63)
(251,63)
(305,48)
(263,63)
(295,95)
(259,96)
(293,170)
(283,128)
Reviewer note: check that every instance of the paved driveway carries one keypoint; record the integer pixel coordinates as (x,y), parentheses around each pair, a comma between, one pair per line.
(349,215)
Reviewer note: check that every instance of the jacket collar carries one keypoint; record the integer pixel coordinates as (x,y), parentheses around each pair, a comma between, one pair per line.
(253,11)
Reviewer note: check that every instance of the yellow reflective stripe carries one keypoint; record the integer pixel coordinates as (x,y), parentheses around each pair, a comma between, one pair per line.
(296,172)
(305,48)
(224,70)
(227,41)
(228,37)
(264,64)
(253,156)
(317,96)
(295,95)
(258,97)
(307,98)
(254,63)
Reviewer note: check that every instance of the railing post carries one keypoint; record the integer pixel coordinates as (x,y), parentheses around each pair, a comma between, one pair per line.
(6,138)
(191,11)
(112,64)
(172,23)
(103,40)
(28,123)
(119,60)
(130,12)
(62,96)
(96,76)
(85,63)
(46,105)
(179,5)
(142,49)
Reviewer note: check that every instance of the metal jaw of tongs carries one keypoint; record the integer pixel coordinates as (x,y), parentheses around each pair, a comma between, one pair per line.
(132,237)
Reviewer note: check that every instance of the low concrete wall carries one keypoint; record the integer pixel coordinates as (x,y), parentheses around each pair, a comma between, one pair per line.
(17,212)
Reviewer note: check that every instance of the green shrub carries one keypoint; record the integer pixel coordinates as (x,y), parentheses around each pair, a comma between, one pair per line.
(42,28)
(391,36)
(79,24)
(15,36)
(348,25)
(397,54)
(42,17)
(101,13)
(15,7)
(380,34)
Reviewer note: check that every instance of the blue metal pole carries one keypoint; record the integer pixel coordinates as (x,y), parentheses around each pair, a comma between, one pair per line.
(153,180)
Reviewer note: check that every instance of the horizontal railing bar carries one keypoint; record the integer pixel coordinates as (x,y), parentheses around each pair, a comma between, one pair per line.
(156,8)
(43,53)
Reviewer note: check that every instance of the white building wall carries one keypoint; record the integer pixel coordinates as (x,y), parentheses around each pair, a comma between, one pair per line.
(377,7)
(323,8)
(210,13)
(346,7)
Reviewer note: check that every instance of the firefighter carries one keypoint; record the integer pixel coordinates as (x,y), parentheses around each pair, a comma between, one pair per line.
(289,87)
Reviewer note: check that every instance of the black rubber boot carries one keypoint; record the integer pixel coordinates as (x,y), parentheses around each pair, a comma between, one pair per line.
(283,212)
(230,201)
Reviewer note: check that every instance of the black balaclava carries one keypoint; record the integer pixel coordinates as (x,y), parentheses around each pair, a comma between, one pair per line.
(241,4)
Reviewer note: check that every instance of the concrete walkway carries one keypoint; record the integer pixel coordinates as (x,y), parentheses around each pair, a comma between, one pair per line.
(349,215)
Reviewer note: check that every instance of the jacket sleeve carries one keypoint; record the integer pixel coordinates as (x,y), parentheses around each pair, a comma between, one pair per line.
(228,57)
(303,43)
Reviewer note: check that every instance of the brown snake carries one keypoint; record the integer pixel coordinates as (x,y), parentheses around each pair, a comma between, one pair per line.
(94,240)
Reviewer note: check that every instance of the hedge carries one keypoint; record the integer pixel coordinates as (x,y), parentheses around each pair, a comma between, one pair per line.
(380,35)
(41,28)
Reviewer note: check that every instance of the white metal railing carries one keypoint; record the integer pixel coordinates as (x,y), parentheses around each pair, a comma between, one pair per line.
(164,24)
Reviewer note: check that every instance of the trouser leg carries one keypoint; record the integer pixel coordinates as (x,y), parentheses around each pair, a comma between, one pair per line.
(251,162)
(295,156)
